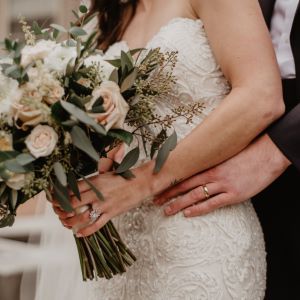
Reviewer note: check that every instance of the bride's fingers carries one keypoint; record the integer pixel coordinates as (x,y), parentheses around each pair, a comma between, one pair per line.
(88,230)
(208,206)
(105,165)
(182,188)
(62,214)
(194,196)
(77,219)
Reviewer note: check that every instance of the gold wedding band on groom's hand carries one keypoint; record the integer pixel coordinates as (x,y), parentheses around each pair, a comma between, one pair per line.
(205,191)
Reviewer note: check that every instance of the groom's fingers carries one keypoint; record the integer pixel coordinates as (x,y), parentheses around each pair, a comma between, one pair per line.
(103,219)
(203,208)
(193,197)
(182,188)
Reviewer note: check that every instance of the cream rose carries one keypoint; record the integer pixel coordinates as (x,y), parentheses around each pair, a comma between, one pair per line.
(26,115)
(53,93)
(42,141)
(5,141)
(114,105)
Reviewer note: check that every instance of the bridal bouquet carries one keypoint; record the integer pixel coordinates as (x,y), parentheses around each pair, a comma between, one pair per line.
(62,108)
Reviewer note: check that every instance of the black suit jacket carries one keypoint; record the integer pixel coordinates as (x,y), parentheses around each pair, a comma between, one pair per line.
(286,132)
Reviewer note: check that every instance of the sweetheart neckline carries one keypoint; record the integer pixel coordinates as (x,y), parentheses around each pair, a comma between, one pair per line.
(169,23)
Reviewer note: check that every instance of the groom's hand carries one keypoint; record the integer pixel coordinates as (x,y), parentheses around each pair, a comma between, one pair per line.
(231,182)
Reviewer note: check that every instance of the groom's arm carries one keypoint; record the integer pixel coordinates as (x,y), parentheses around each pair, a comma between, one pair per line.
(242,176)
(285,133)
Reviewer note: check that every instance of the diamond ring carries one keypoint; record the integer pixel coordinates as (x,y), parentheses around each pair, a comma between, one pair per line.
(94,215)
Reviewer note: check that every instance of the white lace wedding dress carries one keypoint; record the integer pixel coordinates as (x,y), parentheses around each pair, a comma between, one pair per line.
(217,256)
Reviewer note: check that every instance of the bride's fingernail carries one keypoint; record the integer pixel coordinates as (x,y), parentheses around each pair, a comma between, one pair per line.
(70,215)
(79,235)
(187,213)
(168,210)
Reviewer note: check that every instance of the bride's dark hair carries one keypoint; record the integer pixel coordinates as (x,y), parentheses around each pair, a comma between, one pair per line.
(113,19)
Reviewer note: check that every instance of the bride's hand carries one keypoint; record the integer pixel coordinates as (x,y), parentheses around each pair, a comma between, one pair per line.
(105,165)
(120,195)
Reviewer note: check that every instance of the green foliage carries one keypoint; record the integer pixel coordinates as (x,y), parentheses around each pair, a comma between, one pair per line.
(82,142)
(129,161)
(164,151)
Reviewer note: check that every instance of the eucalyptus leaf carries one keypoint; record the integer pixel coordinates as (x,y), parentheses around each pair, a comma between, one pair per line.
(126,61)
(25,159)
(8,44)
(129,80)
(134,51)
(3,187)
(93,188)
(82,142)
(78,47)
(70,123)
(14,72)
(13,166)
(61,194)
(55,34)
(82,117)
(5,155)
(161,137)
(36,28)
(121,135)
(114,76)
(71,43)
(13,199)
(91,40)
(77,31)
(114,62)
(164,151)
(98,109)
(5,174)
(58,27)
(129,161)
(58,113)
(90,18)
(126,175)
(70,67)
(60,173)
(75,14)
(73,184)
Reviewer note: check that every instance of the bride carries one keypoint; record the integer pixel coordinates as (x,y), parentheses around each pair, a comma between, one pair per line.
(225,58)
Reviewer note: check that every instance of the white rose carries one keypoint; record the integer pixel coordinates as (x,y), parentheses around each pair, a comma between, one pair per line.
(114,105)
(9,94)
(105,67)
(42,141)
(37,52)
(58,59)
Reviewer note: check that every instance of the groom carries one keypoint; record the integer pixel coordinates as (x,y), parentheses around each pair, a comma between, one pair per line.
(269,167)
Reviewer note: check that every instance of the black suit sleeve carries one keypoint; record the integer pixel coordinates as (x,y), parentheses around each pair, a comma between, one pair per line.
(285,133)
